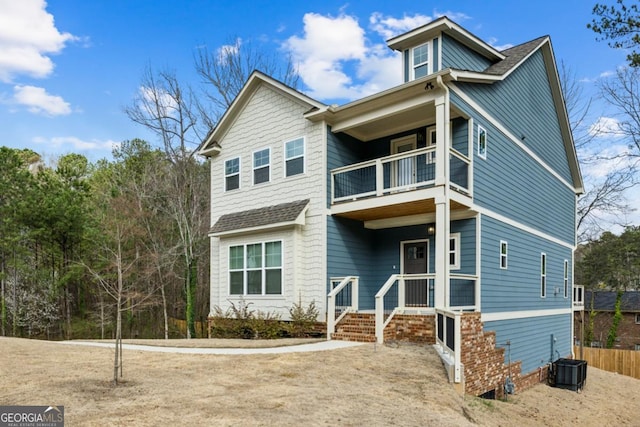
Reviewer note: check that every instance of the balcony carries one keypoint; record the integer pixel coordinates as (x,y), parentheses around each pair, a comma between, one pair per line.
(397,173)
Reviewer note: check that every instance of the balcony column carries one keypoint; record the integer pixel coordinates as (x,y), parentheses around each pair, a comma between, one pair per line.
(442,202)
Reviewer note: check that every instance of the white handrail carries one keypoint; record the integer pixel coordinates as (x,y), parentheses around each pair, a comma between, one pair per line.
(331,302)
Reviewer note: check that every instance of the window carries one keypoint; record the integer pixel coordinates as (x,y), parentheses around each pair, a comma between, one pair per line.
(431,142)
(261,161)
(454,251)
(232,174)
(482,142)
(566,278)
(503,254)
(420,61)
(543,275)
(638,319)
(637,347)
(256,269)
(294,157)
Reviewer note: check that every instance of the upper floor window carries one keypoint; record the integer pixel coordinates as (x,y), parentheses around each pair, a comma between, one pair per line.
(454,251)
(420,56)
(504,248)
(294,157)
(261,166)
(566,278)
(232,174)
(482,142)
(543,275)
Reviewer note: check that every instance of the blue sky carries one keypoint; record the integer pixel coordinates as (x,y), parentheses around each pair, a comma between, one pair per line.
(68,67)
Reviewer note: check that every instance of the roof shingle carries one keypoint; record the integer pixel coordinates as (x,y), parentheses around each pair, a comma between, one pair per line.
(284,212)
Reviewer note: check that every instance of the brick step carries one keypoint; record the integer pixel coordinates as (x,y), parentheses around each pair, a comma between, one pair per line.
(366,331)
(358,323)
(353,337)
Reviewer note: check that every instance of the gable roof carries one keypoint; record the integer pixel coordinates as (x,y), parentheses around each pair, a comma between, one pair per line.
(606,301)
(211,146)
(443,24)
(282,215)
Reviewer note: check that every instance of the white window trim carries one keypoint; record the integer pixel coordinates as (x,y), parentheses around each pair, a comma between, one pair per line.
(253,166)
(239,173)
(455,237)
(504,256)
(263,268)
(543,275)
(566,278)
(304,156)
(480,131)
(638,319)
(429,61)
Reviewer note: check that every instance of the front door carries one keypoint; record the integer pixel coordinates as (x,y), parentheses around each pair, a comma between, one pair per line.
(404,169)
(415,261)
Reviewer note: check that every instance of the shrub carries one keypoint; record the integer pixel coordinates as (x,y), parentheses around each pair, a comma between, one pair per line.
(303,319)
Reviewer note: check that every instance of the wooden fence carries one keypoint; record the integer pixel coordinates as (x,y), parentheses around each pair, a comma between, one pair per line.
(624,362)
(180,326)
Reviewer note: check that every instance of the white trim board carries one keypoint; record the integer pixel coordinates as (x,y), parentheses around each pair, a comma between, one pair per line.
(520,226)
(524,314)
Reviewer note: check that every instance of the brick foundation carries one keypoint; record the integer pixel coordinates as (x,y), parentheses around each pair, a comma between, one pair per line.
(484,364)
(411,328)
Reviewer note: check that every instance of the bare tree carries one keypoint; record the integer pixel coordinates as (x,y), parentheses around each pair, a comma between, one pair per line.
(226,69)
(623,93)
(168,109)
(604,196)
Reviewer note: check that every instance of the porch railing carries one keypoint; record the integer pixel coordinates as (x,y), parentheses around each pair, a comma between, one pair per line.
(462,291)
(342,299)
(402,292)
(399,172)
(448,337)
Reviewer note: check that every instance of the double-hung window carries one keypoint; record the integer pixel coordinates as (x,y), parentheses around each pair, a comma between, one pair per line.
(566,278)
(454,251)
(420,56)
(261,166)
(504,255)
(294,157)
(256,269)
(232,174)
(543,275)
(482,142)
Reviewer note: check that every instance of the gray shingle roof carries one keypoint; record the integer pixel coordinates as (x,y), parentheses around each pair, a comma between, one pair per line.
(513,56)
(606,301)
(285,212)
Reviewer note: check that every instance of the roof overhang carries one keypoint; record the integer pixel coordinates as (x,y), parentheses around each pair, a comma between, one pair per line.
(443,25)
(395,110)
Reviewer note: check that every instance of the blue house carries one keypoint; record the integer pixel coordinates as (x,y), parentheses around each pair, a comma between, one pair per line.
(441,210)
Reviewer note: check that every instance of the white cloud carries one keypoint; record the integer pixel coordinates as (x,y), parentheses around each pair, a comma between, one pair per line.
(227,50)
(27,36)
(336,60)
(493,42)
(38,101)
(151,99)
(388,26)
(606,127)
(72,143)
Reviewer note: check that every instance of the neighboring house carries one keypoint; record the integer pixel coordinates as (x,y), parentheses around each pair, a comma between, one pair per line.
(599,310)
(445,205)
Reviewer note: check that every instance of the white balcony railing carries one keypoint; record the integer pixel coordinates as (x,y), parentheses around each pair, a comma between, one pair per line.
(399,172)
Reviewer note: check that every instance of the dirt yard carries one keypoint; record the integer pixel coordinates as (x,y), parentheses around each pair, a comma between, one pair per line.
(358,386)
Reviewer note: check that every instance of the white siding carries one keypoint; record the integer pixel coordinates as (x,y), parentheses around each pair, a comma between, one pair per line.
(269,119)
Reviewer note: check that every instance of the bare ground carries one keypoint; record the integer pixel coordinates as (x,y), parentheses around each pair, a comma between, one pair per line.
(366,385)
